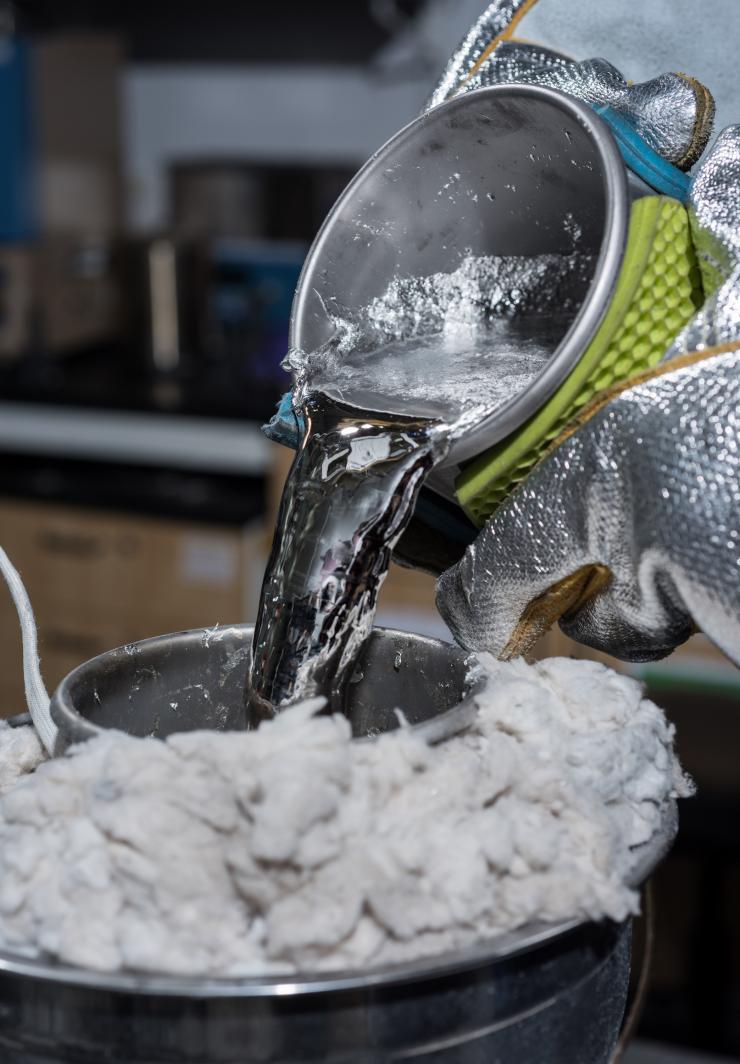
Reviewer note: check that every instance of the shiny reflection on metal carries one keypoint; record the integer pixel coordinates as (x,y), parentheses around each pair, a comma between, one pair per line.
(568,997)
(517,161)
(505,946)
(347,500)
(663,112)
(715,224)
(192,680)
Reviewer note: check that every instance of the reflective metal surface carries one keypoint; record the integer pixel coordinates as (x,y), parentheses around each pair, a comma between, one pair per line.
(647,487)
(672,113)
(498,18)
(560,1004)
(192,680)
(715,222)
(507,170)
(347,500)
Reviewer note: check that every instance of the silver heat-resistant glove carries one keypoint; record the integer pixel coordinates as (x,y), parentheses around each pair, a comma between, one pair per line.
(672,113)
(628,531)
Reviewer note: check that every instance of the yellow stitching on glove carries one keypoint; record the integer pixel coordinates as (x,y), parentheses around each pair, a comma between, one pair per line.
(503,36)
(703,122)
(571,593)
(565,597)
(600,401)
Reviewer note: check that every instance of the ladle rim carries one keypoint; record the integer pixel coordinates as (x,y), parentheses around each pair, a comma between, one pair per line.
(514,413)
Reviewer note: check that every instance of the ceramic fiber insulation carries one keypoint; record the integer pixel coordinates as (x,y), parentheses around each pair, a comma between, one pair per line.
(294,848)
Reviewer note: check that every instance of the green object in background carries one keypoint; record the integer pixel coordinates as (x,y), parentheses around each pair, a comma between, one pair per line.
(658,290)
(689,675)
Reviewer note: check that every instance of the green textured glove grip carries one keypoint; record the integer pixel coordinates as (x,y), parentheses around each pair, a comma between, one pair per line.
(657,292)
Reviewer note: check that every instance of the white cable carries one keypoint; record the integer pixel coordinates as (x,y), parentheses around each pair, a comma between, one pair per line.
(37,697)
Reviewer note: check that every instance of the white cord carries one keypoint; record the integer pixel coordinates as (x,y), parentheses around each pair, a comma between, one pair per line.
(37,697)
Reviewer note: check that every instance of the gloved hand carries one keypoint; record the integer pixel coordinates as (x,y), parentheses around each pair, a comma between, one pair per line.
(671,113)
(640,37)
(628,531)
(666,119)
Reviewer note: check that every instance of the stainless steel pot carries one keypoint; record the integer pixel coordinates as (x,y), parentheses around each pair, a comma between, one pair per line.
(553,994)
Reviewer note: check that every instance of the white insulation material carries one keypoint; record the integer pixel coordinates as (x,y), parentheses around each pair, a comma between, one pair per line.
(294,848)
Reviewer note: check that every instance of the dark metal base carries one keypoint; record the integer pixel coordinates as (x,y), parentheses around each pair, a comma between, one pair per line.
(559,1004)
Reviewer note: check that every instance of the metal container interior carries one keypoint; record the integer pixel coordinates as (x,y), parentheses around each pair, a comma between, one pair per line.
(551,993)
(190,680)
(495,171)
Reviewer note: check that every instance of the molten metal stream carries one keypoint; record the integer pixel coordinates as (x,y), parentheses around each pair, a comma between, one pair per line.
(349,496)
(441,353)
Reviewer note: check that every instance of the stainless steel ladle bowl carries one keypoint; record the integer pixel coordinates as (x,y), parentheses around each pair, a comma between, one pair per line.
(491,172)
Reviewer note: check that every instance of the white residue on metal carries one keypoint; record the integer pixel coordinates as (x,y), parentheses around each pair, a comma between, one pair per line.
(211,633)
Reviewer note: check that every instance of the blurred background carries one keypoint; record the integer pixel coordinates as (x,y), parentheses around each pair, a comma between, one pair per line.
(164,170)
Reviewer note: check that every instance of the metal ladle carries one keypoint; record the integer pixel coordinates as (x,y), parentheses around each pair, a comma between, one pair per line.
(491,172)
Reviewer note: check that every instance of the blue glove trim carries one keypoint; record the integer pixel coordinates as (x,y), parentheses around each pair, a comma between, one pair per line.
(654,170)
(285,426)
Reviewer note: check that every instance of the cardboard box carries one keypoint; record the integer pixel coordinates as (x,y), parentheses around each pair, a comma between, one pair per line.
(16,299)
(98,580)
